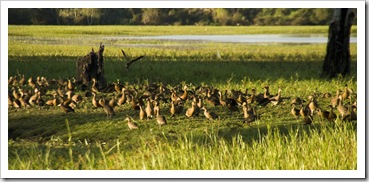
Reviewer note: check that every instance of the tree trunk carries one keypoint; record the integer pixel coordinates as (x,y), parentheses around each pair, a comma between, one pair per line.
(337,59)
(92,66)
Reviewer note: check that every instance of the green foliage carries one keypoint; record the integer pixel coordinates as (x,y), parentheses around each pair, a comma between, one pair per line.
(171,16)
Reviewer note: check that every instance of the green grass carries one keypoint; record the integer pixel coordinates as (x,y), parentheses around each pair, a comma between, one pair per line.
(50,139)
(88,31)
(286,147)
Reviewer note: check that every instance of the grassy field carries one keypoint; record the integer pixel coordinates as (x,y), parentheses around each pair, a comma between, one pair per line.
(51,139)
(89,31)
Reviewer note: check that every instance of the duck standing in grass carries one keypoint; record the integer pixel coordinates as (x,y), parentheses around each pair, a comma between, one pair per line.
(95,103)
(343,110)
(149,110)
(322,113)
(190,111)
(346,92)
(122,100)
(210,115)
(313,105)
(175,109)
(263,99)
(328,115)
(160,119)
(108,109)
(335,99)
(294,111)
(142,113)
(131,124)
(249,115)
(66,108)
(276,99)
(230,103)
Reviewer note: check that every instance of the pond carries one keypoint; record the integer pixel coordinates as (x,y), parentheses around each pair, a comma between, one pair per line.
(255,38)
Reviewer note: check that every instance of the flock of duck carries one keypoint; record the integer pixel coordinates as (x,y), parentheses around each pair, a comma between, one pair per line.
(148,100)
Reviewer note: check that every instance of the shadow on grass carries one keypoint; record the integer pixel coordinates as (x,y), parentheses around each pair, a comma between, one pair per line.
(176,71)
(39,126)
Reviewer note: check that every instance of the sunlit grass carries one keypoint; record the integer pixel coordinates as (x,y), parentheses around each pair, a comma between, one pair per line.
(77,31)
(294,147)
(50,139)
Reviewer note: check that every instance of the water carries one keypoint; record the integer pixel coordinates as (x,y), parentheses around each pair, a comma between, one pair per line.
(258,38)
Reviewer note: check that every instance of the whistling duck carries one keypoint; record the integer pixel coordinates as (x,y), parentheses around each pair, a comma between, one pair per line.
(251,99)
(304,111)
(31,83)
(191,111)
(61,92)
(276,99)
(32,100)
(322,113)
(56,100)
(294,111)
(263,99)
(210,115)
(142,113)
(156,107)
(313,105)
(335,99)
(10,101)
(17,104)
(306,115)
(248,114)
(343,110)
(77,98)
(230,103)
(112,102)
(184,96)
(212,100)
(149,109)
(129,61)
(94,87)
(346,92)
(108,109)
(70,85)
(40,102)
(160,119)
(23,102)
(117,86)
(241,99)
(175,109)
(131,124)
(22,81)
(16,95)
(69,94)
(95,103)
(66,108)
(123,98)
(10,80)
(198,102)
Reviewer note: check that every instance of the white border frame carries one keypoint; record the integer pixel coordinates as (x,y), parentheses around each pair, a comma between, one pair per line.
(359,173)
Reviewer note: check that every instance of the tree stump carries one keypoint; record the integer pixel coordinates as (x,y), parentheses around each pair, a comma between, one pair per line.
(92,66)
(337,59)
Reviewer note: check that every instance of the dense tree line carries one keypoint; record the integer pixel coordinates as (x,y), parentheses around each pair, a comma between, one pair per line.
(170,16)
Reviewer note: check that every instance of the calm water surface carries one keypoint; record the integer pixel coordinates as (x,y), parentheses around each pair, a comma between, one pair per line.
(258,38)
